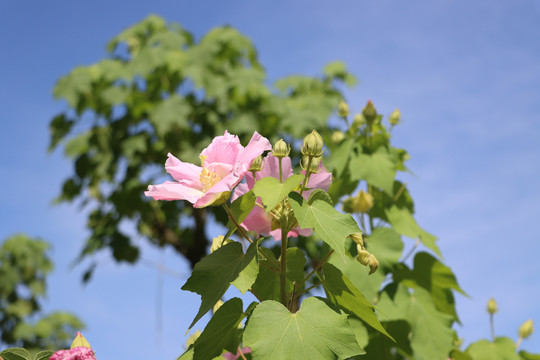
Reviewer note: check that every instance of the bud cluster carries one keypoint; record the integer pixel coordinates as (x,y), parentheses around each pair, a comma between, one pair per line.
(361,203)
(364,257)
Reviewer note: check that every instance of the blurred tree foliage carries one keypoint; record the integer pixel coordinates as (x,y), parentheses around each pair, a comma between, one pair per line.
(158,91)
(24,266)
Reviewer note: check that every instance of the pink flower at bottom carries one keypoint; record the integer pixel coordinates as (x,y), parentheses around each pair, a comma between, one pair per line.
(224,163)
(258,219)
(231,356)
(77,353)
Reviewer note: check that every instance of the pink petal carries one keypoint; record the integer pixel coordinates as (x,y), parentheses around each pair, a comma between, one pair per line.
(77,353)
(185,172)
(240,190)
(320,180)
(215,192)
(257,145)
(231,356)
(223,149)
(271,167)
(174,191)
(259,221)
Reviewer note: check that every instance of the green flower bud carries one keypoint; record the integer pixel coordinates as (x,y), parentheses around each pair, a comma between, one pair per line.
(343,109)
(80,341)
(357,238)
(313,145)
(281,149)
(338,136)
(363,202)
(359,120)
(256,164)
(217,306)
(218,242)
(369,112)
(394,117)
(191,340)
(492,306)
(526,329)
(313,167)
(373,264)
(348,205)
(363,257)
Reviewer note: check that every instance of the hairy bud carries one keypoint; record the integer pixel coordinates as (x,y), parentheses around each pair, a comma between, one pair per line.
(363,202)
(343,109)
(369,112)
(313,145)
(359,120)
(256,164)
(281,149)
(363,257)
(526,329)
(357,238)
(492,306)
(373,264)
(395,117)
(338,136)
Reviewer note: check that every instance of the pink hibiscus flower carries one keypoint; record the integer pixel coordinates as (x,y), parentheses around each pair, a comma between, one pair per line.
(224,163)
(259,220)
(77,353)
(231,356)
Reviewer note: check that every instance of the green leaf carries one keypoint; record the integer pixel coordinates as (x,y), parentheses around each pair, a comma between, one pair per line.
(267,284)
(43,355)
(377,169)
(319,194)
(329,224)
(430,272)
(240,208)
(404,223)
(188,355)
(271,191)
(212,276)
(341,292)
(248,275)
(15,354)
(315,332)
(528,356)
(386,245)
(221,332)
(171,112)
(502,348)
(339,158)
(431,332)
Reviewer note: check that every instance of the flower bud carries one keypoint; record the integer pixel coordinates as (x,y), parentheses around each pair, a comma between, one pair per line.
(80,341)
(357,238)
(363,257)
(217,306)
(343,109)
(364,202)
(348,205)
(369,112)
(313,145)
(394,117)
(359,120)
(313,167)
(526,329)
(218,242)
(338,136)
(373,264)
(281,149)
(492,306)
(193,337)
(256,164)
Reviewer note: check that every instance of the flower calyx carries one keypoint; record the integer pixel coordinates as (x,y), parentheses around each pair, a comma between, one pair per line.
(281,149)
(313,145)
(343,109)
(492,306)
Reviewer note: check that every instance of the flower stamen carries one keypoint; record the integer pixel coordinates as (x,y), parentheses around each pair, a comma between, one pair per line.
(208,177)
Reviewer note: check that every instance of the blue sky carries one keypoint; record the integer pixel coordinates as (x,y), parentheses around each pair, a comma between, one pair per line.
(466,76)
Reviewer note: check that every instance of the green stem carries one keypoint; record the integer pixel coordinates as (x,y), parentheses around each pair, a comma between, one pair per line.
(309,288)
(492,327)
(240,229)
(283,273)
(316,268)
(306,177)
(280,170)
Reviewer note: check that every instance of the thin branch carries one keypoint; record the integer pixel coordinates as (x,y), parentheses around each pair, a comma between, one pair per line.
(316,268)
(309,288)
(254,294)
(240,229)
(412,250)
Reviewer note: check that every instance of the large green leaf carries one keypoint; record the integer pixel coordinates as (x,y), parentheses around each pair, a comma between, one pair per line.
(315,332)
(271,191)
(528,356)
(267,286)
(386,245)
(404,223)
(332,226)
(502,348)
(221,332)
(212,276)
(240,209)
(431,334)
(341,292)
(377,169)
(44,355)
(339,158)
(15,354)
